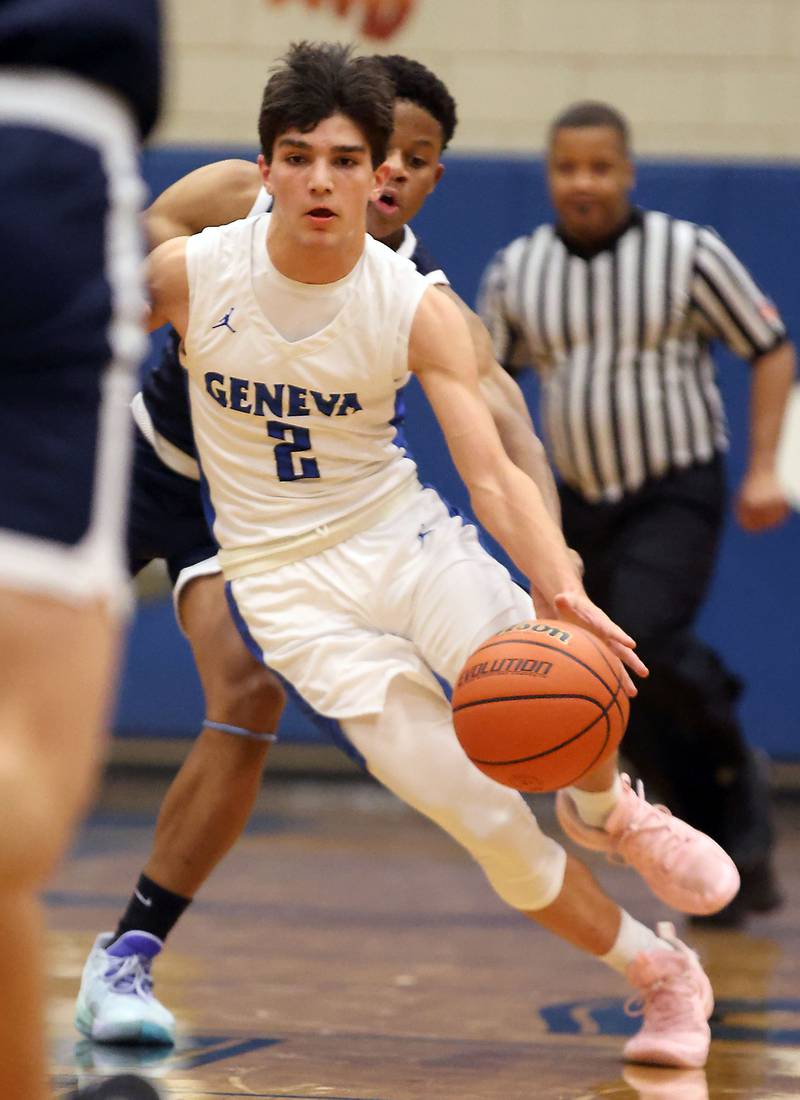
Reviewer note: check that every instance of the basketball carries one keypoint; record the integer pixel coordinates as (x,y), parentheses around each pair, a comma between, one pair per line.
(538,705)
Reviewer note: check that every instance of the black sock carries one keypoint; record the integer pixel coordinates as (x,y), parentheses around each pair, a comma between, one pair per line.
(151,909)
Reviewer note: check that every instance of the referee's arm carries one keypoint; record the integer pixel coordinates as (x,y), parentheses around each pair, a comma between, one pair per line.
(761,501)
(739,313)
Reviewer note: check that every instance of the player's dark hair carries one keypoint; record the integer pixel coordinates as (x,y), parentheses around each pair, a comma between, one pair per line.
(412,81)
(314,81)
(591,112)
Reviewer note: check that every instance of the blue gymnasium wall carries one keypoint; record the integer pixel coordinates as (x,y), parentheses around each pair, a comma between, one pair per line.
(753,611)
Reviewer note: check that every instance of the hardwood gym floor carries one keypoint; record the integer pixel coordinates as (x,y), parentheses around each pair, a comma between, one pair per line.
(348,950)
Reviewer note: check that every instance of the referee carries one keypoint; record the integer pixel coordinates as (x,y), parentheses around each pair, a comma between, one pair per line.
(617,308)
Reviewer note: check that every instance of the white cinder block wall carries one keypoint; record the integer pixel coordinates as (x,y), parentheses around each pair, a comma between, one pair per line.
(716,78)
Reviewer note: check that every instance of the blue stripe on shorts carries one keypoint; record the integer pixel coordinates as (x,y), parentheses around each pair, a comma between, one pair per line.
(330,727)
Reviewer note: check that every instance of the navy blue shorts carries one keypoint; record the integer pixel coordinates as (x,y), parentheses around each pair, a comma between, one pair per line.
(70,334)
(166,515)
(55,311)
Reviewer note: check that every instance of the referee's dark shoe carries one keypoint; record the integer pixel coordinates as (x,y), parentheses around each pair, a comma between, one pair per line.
(126,1087)
(748,835)
(759,893)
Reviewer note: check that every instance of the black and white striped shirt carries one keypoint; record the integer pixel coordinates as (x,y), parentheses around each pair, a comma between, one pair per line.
(621,341)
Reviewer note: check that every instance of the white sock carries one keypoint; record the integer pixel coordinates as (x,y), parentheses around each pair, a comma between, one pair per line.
(632,939)
(595,807)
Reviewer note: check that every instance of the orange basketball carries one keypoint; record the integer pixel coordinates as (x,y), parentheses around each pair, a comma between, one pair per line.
(537,705)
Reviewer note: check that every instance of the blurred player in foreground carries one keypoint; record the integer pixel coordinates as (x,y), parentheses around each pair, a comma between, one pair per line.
(318,507)
(71,323)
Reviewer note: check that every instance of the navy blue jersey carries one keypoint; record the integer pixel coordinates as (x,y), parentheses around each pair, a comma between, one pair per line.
(110,42)
(164,386)
(166,396)
(421,258)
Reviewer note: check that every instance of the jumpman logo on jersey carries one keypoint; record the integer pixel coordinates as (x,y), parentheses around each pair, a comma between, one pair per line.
(226,321)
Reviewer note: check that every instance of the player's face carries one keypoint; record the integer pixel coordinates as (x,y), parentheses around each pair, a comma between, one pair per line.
(590,178)
(414,171)
(322,181)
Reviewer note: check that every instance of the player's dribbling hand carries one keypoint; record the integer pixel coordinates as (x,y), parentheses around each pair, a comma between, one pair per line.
(380,18)
(761,502)
(544,609)
(577,608)
(577,561)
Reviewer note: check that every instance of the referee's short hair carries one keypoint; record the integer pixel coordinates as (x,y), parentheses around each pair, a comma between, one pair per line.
(591,112)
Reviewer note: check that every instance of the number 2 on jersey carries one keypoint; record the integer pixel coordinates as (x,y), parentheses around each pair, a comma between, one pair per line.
(294,440)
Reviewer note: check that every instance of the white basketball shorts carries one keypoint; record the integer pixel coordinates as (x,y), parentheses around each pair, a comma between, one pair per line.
(413,595)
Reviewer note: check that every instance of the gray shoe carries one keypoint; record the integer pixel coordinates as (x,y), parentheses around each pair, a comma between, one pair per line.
(116,1002)
(127,1087)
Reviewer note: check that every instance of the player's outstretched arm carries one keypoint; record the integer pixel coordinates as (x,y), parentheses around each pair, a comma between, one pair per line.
(168,286)
(379,18)
(514,426)
(505,500)
(215,194)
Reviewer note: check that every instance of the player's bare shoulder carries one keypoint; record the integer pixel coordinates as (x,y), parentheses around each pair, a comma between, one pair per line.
(477,329)
(440,337)
(215,194)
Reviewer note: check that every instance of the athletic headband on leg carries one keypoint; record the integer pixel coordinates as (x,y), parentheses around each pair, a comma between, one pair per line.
(239,731)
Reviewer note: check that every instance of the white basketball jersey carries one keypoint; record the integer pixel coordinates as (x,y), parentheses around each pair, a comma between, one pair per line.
(262,203)
(293,436)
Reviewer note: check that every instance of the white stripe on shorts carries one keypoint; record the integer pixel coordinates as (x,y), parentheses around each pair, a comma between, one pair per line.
(172,457)
(94,567)
(209,567)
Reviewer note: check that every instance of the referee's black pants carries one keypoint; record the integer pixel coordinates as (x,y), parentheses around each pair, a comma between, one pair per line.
(649,559)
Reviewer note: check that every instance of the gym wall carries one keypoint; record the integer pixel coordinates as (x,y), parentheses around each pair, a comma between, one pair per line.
(697,77)
(481,204)
(711,88)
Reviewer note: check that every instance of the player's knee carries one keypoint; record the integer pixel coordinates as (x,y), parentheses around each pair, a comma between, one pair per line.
(495,824)
(246,695)
(529,881)
(525,867)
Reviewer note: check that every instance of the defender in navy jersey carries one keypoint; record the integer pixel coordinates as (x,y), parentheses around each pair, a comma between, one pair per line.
(617,309)
(79,82)
(211,797)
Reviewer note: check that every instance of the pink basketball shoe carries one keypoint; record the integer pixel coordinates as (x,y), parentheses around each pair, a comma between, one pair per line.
(676,1000)
(682,866)
(659,1083)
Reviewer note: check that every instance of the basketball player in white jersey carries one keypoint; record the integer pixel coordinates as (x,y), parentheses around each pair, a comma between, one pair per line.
(355,584)
(210,799)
